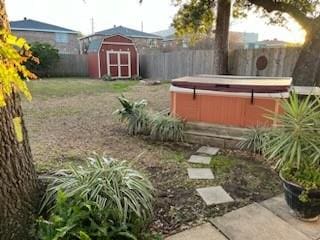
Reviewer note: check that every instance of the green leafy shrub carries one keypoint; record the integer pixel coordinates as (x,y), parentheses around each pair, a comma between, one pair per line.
(295,143)
(106,194)
(309,176)
(167,128)
(135,115)
(48,57)
(76,218)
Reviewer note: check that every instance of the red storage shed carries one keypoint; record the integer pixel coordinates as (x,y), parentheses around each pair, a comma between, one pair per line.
(115,56)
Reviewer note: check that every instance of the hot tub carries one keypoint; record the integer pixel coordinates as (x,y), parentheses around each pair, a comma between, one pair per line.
(228,100)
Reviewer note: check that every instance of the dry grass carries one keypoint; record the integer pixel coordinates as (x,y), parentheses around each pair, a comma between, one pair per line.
(69,119)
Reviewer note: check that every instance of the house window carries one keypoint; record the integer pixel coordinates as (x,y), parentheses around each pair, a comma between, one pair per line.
(152,43)
(62,38)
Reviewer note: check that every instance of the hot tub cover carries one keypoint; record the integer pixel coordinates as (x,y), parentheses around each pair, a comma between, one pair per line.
(225,83)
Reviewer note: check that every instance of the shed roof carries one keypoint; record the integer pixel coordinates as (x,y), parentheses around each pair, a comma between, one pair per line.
(94,45)
(128,32)
(33,25)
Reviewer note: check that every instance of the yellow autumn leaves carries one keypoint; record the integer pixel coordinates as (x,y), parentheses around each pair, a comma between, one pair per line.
(13,53)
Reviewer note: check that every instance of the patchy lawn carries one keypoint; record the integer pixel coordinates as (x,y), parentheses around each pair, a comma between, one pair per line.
(69,119)
(69,87)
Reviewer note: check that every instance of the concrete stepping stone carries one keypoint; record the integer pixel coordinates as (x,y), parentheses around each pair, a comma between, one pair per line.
(204,232)
(208,150)
(199,159)
(214,195)
(200,173)
(256,222)
(278,206)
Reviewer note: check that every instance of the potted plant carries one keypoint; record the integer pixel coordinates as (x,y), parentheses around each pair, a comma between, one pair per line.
(295,144)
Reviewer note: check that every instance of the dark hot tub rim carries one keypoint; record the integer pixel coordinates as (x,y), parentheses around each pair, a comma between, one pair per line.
(231,88)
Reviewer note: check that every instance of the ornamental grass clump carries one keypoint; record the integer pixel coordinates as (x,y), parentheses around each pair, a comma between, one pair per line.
(255,140)
(135,115)
(166,128)
(156,125)
(112,185)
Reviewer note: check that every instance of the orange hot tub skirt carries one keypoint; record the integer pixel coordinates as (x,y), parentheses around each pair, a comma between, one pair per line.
(225,108)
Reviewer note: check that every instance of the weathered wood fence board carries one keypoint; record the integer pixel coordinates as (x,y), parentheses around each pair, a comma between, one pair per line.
(171,65)
(70,65)
(281,61)
(166,66)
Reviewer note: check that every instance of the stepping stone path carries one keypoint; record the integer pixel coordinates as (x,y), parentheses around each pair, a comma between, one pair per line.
(214,195)
(256,222)
(278,206)
(208,150)
(202,232)
(200,173)
(211,195)
(268,220)
(200,159)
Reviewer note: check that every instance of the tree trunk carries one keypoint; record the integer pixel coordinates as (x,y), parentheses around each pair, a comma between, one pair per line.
(307,68)
(222,37)
(18,183)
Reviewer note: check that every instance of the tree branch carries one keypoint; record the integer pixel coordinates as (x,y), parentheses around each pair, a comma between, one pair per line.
(272,5)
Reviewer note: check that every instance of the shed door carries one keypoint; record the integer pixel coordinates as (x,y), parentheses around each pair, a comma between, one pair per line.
(119,64)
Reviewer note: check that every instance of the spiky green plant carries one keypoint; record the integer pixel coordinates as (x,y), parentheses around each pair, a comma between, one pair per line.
(139,121)
(296,139)
(255,140)
(135,115)
(129,107)
(111,184)
(167,128)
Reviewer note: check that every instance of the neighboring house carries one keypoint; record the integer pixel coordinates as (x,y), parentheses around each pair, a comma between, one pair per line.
(275,43)
(170,41)
(242,40)
(236,40)
(65,40)
(141,39)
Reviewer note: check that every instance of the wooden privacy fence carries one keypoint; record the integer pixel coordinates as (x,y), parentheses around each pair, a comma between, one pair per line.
(70,65)
(170,65)
(280,61)
(167,66)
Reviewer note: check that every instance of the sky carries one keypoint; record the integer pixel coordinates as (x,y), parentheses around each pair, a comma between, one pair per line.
(155,15)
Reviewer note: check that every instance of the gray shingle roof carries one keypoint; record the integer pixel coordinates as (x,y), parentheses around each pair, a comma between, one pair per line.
(32,25)
(166,33)
(128,32)
(94,45)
